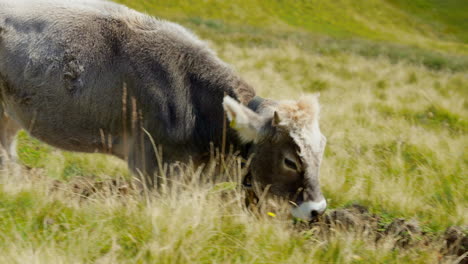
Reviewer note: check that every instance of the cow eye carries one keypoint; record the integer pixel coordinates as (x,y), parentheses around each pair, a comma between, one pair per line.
(290,164)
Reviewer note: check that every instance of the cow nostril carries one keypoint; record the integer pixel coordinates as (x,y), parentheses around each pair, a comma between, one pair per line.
(314,214)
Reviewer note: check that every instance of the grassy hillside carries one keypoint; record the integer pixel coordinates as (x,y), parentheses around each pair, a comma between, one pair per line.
(370,28)
(435,24)
(448,18)
(393,78)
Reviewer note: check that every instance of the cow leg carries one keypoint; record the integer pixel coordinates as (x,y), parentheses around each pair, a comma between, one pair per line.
(8,130)
(143,163)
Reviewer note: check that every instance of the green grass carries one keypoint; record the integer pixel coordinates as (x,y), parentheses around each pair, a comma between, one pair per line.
(372,19)
(448,17)
(393,78)
(368,28)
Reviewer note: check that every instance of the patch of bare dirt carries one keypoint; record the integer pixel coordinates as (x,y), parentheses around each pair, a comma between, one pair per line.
(403,233)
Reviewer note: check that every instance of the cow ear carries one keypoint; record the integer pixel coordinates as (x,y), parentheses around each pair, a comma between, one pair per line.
(276,119)
(246,122)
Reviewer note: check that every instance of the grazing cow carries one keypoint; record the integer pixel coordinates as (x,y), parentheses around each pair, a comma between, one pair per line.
(72,72)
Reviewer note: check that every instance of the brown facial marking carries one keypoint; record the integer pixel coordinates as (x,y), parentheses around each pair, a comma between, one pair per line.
(276,163)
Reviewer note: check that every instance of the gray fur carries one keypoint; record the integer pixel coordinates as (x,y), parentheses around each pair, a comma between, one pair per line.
(64,67)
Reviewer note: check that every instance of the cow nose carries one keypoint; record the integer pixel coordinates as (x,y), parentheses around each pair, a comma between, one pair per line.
(314,214)
(317,211)
(310,210)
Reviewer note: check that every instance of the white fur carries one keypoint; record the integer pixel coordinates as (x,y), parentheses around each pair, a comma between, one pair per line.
(301,118)
(304,211)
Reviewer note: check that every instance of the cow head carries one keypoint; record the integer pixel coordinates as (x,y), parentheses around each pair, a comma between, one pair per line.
(287,148)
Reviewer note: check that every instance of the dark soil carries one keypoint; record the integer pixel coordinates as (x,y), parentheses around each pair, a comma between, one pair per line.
(406,234)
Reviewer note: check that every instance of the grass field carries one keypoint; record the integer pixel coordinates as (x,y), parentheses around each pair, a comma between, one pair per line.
(393,79)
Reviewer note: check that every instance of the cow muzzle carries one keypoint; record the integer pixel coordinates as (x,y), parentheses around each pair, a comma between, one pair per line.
(310,210)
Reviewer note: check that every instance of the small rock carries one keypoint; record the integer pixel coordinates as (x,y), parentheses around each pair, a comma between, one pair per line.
(48,222)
